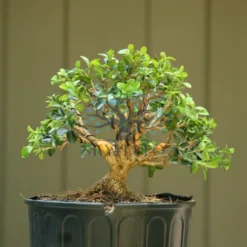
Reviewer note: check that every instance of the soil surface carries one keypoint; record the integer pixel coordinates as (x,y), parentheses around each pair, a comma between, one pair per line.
(110,191)
(109,199)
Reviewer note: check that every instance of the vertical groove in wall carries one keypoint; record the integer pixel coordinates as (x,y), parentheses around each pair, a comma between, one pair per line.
(3,144)
(65,51)
(148,23)
(207,88)
(148,42)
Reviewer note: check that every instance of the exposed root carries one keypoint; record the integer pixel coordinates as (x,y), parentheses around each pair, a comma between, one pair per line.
(109,192)
(108,198)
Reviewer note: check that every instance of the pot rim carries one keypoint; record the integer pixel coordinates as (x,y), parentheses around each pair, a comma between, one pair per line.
(97,205)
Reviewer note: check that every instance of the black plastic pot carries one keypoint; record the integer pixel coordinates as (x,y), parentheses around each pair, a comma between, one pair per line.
(72,224)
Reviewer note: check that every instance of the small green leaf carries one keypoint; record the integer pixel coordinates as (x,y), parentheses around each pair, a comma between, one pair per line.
(24,152)
(112,100)
(227,150)
(191,113)
(99,70)
(84,152)
(71,136)
(70,123)
(79,107)
(62,131)
(187,84)
(212,165)
(151,170)
(159,167)
(143,50)
(226,164)
(163,54)
(212,123)
(171,58)
(54,78)
(159,112)
(181,109)
(184,74)
(123,51)
(86,60)
(121,86)
(99,104)
(202,146)
(202,110)
(205,172)
(95,62)
(186,163)
(135,84)
(205,156)
(64,86)
(78,64)
(210,148)
(131,48)
(51,152)
(110,53)
(41,156)
(194,168)
(62,73)
(70,113)
(29,129)
(85,149)
(171,124)
(103,55)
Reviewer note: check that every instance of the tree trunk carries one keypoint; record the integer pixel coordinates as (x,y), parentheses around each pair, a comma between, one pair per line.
(114,183)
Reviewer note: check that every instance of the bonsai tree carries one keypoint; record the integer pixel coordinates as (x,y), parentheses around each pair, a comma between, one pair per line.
(134,94)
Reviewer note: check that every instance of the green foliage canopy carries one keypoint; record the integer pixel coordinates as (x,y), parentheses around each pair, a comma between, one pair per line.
(114,84)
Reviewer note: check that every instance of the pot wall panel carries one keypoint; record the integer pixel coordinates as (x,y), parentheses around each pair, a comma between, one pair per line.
(34,53)
(178,28)
(228,197)
(113,25)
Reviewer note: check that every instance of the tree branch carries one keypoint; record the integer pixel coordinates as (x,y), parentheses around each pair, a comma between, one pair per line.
(105,147)
(98,126)
(153,160)
(120,115)
(98,116)
(130,106)
(156,154)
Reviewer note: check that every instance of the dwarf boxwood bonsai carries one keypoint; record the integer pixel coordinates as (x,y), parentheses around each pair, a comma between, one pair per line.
(134,94)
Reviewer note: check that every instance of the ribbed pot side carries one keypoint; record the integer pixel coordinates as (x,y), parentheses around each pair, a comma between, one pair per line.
(72,224)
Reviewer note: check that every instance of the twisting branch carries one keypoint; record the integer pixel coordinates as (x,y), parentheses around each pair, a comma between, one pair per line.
(154,160)
(130,106)
(97,115)
(169,137)
(98,126)
(155,96)
(158,154)
(63,145)
(104,82)
(104,118)
(157,121)
(119,114)
(105,147)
